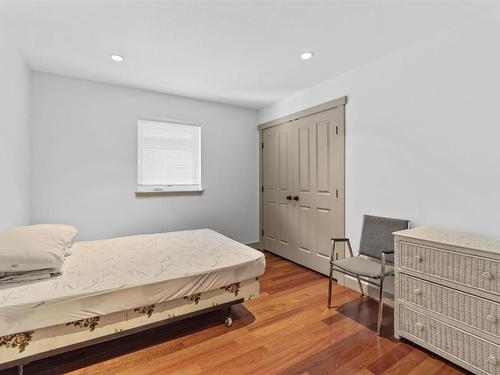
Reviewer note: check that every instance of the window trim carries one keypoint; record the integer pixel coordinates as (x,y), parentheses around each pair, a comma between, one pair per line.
(160,189)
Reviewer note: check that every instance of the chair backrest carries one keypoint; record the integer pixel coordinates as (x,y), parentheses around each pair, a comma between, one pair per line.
(376,235)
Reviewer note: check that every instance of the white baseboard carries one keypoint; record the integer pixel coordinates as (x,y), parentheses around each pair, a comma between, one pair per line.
(370,290)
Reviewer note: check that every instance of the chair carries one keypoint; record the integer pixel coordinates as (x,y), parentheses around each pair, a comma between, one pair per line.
(376,242)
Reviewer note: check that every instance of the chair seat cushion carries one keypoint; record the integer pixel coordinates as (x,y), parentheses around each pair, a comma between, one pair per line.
(363,267)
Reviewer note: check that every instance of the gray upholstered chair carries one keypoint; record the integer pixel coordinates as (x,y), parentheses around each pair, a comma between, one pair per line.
(376,242)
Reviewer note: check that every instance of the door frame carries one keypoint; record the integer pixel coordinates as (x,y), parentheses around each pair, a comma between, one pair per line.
(289,118)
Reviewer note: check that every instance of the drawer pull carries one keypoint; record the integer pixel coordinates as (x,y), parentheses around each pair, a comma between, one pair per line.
(491,318)
(418,291)
(492,360)
(419,326)
(487,275)
(419,258)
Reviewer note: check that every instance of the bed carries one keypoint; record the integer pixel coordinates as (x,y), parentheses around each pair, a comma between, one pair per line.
(110,288)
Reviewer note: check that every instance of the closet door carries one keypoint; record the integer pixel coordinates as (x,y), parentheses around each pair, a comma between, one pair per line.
(303,188)
(318,161)
(277,181)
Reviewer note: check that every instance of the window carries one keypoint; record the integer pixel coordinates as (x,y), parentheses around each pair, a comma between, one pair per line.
(169,156)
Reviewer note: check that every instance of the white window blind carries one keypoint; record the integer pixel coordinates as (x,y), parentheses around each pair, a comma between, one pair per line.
(169,156)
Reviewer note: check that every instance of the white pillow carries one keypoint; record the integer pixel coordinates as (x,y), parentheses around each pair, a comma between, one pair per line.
(35,247)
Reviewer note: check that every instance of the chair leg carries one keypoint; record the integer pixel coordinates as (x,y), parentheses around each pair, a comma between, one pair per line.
(380,306)
(330,287)
(228,322)
(360,286)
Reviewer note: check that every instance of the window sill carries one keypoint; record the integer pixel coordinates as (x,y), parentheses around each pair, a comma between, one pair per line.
(169,190)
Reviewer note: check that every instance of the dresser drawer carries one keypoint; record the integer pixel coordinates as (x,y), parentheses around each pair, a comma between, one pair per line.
(473,311)
(478,353)
(480,273)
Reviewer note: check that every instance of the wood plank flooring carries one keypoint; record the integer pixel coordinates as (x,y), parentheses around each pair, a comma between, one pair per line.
(287,330)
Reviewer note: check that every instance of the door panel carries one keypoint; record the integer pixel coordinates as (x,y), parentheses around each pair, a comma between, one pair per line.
(304,158)
(305,233)
(269,205)
(284,223)
(323,157)
(320,181)
(323,231)
(277,179)
(269,161)
(283,162)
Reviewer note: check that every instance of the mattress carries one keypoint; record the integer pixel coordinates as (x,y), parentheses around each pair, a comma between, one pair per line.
(106,276)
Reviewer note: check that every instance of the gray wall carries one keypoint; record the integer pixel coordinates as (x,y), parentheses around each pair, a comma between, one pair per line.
(14,137)
(84,154)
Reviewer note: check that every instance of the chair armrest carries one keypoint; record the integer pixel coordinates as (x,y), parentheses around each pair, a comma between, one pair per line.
(335,240)
(382,263)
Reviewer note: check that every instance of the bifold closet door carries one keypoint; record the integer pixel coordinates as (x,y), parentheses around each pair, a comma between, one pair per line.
(318,188)
(303,188)
(277,196)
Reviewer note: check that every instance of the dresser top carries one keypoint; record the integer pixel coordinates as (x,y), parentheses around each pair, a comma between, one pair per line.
(449,237)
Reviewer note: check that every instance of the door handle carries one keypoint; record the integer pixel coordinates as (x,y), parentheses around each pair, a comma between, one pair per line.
(289,197)
(296,198)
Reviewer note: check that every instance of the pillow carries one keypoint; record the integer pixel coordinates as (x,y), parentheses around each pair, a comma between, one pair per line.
(67,249)
(27,276)
(35,247)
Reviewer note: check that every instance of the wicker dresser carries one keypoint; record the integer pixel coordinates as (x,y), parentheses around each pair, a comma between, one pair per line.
(448,295)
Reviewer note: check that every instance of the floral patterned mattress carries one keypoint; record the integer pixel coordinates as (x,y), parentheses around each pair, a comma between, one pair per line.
(106,276)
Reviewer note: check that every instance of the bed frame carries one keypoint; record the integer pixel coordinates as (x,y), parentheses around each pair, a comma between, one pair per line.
(25,347)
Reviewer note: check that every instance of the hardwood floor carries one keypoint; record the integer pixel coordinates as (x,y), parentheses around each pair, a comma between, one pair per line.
(287,330)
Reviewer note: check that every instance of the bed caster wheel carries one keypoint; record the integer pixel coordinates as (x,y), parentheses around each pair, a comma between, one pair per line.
(228,322)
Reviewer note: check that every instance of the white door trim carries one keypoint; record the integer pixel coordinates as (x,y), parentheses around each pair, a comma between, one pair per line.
(305,112)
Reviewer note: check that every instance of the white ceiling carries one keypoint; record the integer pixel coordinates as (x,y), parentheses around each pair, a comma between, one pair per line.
(237,52)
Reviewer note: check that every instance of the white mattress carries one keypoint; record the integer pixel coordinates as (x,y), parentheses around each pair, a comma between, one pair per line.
(105,276)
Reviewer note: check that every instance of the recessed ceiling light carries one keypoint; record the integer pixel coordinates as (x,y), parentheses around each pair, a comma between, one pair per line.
(306,55)
(116,58)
